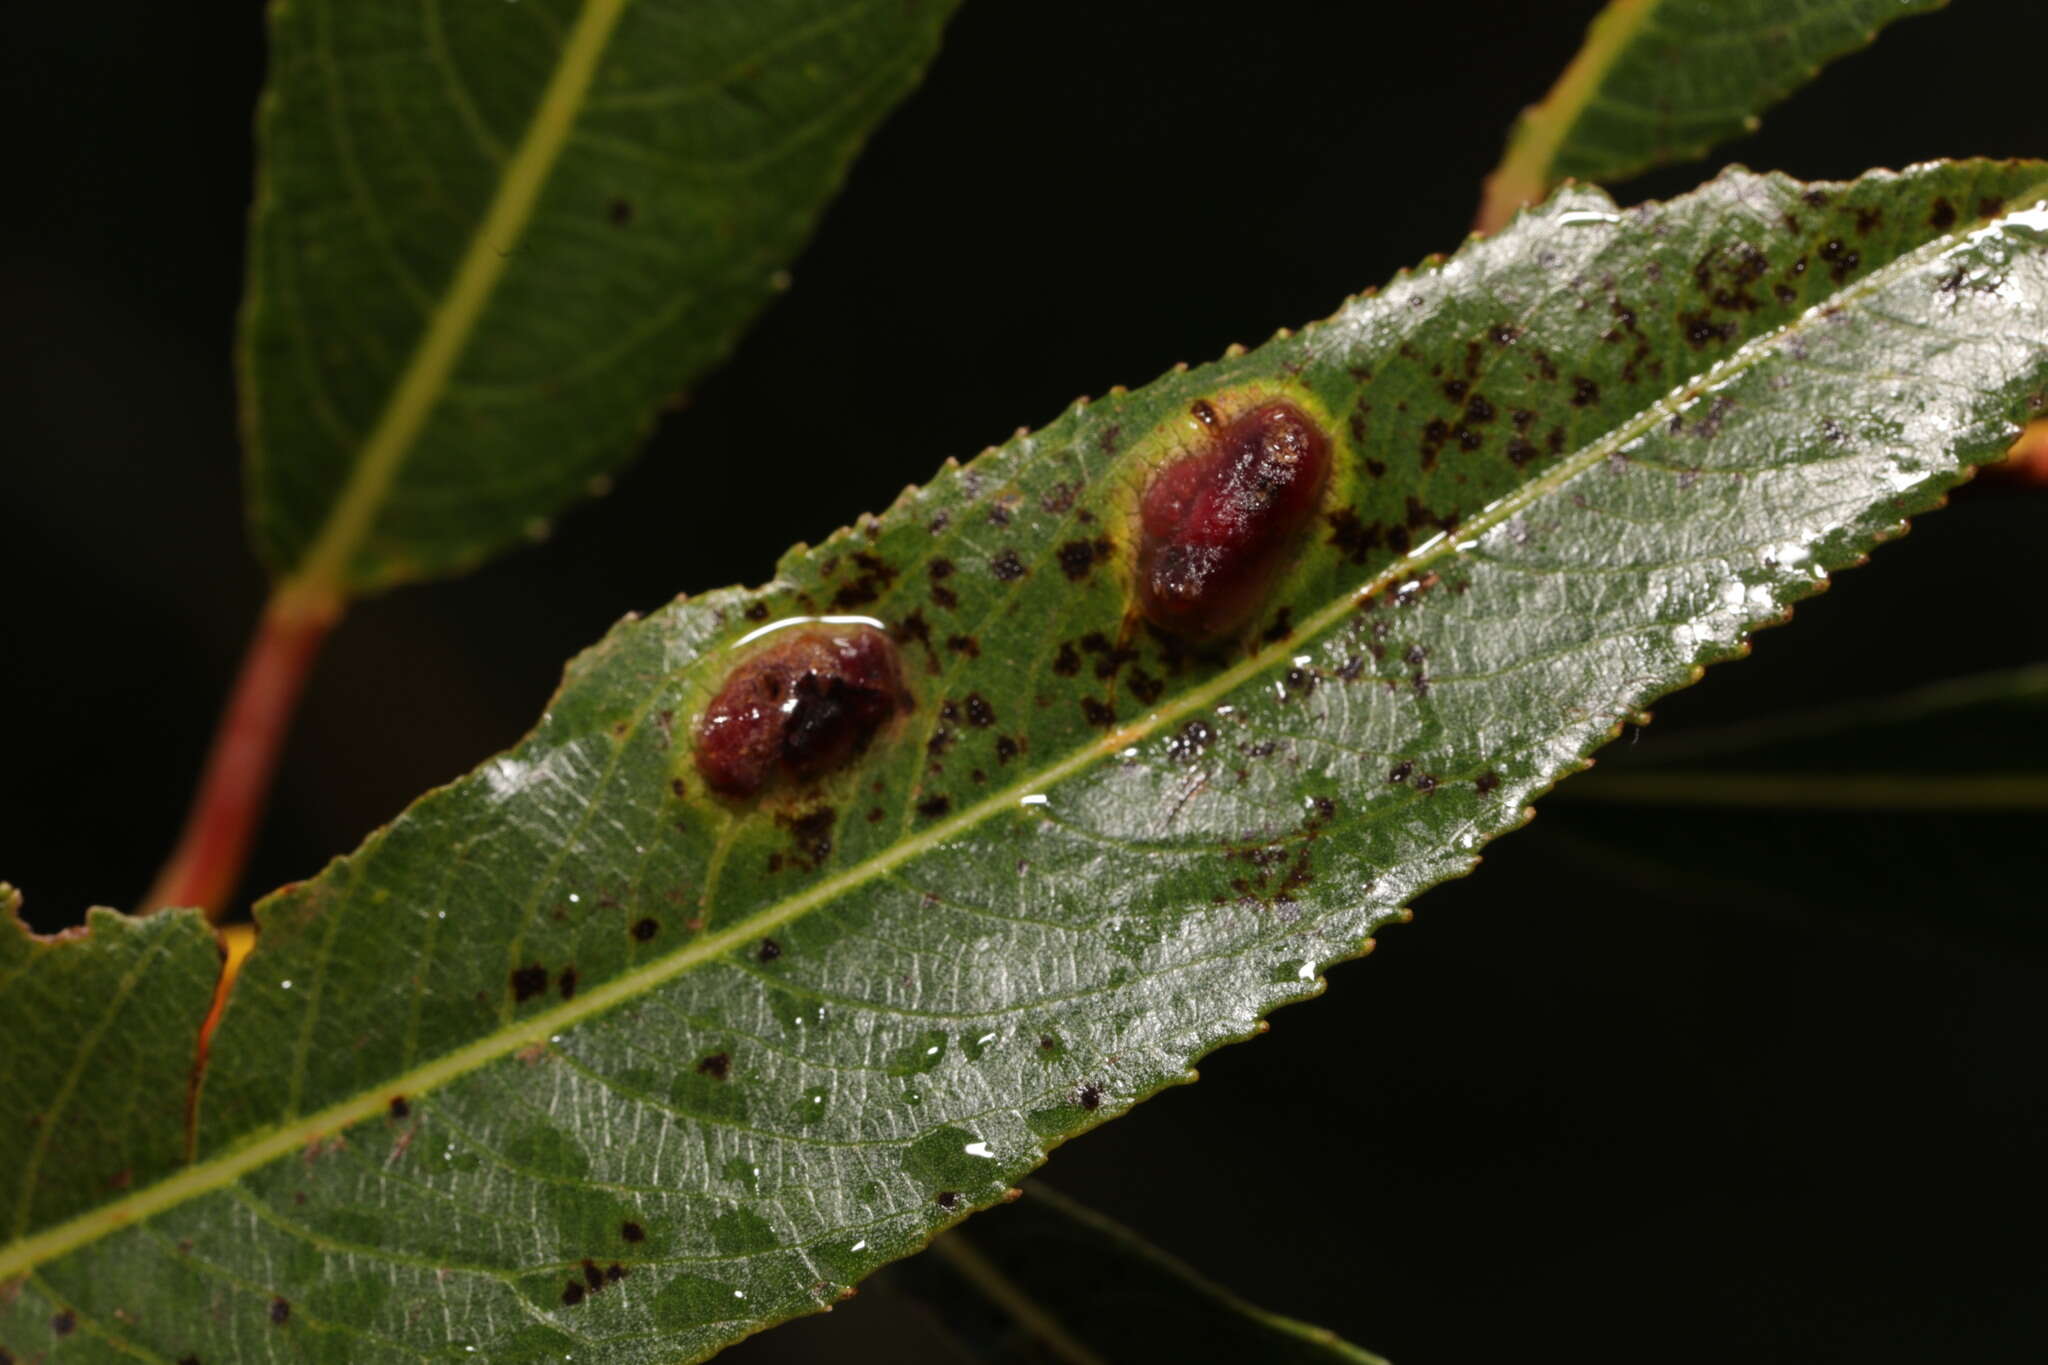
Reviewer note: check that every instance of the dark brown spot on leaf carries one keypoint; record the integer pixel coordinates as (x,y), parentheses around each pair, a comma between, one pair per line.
(529,981)
(1190,741)
(1077,557)
(645,929)
(812,831)
(1351,536)
(717,1066)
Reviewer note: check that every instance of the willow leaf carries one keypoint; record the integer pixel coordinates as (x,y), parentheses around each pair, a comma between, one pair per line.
(1881,814)
(1660,81)
(1974,744)
(575,1057)
(1078,1287)
(492,239)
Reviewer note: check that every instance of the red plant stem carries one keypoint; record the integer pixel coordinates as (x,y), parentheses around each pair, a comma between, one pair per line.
(207,864)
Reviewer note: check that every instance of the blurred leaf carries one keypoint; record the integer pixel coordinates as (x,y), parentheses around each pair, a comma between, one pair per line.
(491,239)
(1926,801)
(1659,81)
(1971,743)
(575,1057)
(1073,1286)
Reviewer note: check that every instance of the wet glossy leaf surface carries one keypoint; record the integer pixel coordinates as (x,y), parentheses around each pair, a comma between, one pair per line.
(580,1057)
(1662,81)
(492,239)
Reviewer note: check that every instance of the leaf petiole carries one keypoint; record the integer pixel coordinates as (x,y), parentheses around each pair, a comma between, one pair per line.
(206,864)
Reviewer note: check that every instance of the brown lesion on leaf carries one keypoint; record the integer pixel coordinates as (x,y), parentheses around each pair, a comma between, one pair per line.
(810,832)
(1077,558)
(527,982)
(1275,872)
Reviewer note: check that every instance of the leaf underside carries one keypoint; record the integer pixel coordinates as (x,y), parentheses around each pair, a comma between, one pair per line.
(1576,462)
(491,240)
(1663,81)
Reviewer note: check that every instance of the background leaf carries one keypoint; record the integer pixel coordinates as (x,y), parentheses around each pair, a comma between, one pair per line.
(1884,812)
(1660,81)
(1726,397)
(1050,1280)
(491,239)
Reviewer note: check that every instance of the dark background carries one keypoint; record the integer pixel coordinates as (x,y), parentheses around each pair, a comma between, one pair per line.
(1573,1111)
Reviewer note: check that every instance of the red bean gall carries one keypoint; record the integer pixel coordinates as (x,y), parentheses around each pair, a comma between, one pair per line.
(807,702)
(1218,524)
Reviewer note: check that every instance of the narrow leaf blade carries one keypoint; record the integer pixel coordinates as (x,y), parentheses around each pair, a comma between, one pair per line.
(571,1014)
(1064,1274)
(1662,81)
(1905,813)
(491,240)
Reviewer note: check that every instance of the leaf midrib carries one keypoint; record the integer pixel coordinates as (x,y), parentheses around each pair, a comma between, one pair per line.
(289,1136)
(423,381)
(1525,169)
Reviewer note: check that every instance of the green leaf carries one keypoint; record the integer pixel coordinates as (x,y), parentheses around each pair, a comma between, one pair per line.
(1085,1288)
(1879,812)
(1970,744)
(100,1024)
(571,1012)
(1660,81)
(492,238)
